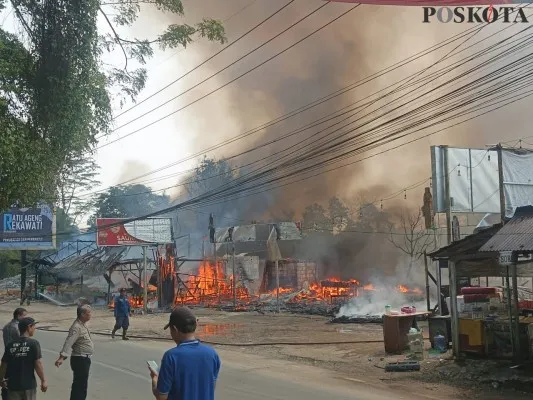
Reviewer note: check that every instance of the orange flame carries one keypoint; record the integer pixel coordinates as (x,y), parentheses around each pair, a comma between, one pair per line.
(210,286)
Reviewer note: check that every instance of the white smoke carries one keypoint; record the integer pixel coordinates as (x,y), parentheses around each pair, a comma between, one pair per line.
(373,303)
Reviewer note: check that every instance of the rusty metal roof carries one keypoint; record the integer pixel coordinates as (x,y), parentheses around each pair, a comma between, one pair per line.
(516,235)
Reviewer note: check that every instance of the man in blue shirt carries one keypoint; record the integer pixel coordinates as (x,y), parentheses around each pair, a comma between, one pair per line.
(122,314)
(189,371)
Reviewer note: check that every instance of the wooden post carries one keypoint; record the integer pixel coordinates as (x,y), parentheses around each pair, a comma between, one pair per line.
(216,269)
(277,287)
(234,279)
(516,314)
(108,297)
(439,287)
(145,276)
(453,305)
(427,281)
(510,308)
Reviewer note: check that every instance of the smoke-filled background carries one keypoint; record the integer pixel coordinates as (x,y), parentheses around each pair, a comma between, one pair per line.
(356,46)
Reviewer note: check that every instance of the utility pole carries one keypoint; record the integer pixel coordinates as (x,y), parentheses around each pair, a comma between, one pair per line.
(448,200)
(427,281)
(81,278)
(23,262)
(277,286)
(145,285)
(234,279)
(500,183)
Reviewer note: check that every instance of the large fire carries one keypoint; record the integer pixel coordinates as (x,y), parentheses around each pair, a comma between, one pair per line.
(210,286)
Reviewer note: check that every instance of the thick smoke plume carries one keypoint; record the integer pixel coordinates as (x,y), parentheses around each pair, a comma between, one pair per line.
(354,47)
(365,41)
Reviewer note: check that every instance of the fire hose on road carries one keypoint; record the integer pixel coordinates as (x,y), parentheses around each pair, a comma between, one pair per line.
(228,344)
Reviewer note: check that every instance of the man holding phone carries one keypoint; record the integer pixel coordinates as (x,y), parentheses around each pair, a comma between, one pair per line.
(188,371)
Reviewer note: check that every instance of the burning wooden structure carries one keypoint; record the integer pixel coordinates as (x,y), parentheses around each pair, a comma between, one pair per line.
(214,286)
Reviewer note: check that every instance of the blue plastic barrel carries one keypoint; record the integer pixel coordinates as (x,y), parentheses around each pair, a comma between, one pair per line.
(440,344)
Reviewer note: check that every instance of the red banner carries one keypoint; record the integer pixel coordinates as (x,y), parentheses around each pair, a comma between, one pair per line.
(434,3)
(116,234)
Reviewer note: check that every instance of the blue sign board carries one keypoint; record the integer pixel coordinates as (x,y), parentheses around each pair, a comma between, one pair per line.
(28,229)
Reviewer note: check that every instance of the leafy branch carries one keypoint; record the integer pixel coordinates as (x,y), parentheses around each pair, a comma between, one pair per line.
(56,91)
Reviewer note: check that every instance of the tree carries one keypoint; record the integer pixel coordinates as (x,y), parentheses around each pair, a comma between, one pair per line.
(338,214)
(78,175)
(210,174)
(315,218)
(334,219)
(26,165)
(411,238)
(127,202)
(66,228)
(56,91)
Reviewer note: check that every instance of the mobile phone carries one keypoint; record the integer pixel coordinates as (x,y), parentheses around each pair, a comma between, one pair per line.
(153,366)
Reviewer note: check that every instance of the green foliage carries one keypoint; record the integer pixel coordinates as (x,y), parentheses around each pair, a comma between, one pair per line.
(10,262)
(26,165)
(209,174)
(77,177)
(66,228)
(130,81)
(127,202)
(56,91)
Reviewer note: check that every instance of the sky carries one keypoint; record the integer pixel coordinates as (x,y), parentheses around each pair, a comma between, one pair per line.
(361,43)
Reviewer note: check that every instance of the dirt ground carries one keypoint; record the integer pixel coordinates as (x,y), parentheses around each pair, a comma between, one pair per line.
(297,338)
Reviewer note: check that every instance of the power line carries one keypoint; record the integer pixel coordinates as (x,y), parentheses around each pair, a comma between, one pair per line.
(224,21)
(300,171)
(201,64)
(328,97)
(231,81)
(341,142)
(297,171)
(202,198)
(345,125)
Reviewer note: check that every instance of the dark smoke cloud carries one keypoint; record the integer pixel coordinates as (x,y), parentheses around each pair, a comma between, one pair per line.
(365,41)
(359,44)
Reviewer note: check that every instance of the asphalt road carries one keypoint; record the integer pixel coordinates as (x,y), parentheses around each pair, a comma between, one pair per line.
(119,372)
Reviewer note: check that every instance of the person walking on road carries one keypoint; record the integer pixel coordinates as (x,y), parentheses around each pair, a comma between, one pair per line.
(122,314)
(26,294)
(80,342)
(10,332)
(188,371)
(21,361)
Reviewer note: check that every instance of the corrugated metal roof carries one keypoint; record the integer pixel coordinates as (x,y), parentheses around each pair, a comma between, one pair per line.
(469,245)
(258,232)
(96,262)
(516,235)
